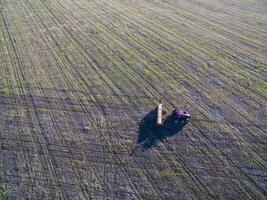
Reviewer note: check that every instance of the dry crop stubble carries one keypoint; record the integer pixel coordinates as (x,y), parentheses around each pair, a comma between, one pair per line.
(78,77)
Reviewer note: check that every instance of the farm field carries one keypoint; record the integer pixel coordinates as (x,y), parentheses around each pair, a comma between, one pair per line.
(79,79)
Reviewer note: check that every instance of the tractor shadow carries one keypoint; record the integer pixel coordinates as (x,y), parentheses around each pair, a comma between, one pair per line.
(149,134)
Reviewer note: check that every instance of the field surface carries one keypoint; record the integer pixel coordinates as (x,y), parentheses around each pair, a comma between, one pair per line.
(80,78)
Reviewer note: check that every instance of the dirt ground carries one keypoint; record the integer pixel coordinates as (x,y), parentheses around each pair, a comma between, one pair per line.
(79,81)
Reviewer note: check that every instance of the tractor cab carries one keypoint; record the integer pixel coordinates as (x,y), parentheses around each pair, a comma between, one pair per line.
(180,116)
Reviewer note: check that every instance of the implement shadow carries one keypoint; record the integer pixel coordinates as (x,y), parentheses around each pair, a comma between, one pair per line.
(150,134)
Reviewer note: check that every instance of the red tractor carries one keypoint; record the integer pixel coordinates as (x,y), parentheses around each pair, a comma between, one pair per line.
(178,116)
